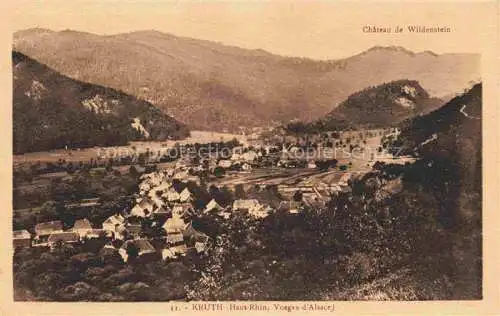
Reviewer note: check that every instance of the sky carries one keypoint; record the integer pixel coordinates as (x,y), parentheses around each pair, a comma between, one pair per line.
(318,30)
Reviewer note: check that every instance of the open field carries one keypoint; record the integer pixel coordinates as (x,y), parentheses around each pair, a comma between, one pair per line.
(85,154)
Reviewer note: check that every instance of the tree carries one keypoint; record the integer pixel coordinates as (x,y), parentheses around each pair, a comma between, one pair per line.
(110,256)
(70,168)
(79,291)
(223,196)
(219,172)
(298,196)
(239,191)
(46,285)
(50,210)
(132,252)
(322,165)
(209,284)
(133,171)
(109,168)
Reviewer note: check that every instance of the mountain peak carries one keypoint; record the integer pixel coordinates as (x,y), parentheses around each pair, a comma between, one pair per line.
(75,32)
(429,52)
(398,49)
(388,103)
(145,33)
(390,49)
(38,32)
(32,31)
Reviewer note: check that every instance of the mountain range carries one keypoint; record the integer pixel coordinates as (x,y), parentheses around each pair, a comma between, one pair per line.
(53,111)
(208,85)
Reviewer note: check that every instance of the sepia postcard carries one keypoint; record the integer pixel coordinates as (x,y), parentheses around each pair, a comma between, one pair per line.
(256,157)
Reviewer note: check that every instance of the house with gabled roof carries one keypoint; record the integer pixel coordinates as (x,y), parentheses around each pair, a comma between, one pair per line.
(179,249)
(144,186)
(120,232)
(252,206)
(144,249)
(162,211)
(195,238)
(174,252)
(182,209)
(236,156)
(111,223)
(260,212)
(67,238)
(21,238)
(246,166)
(313,201)
(134,229)
(95,234)
(200,247)
(225,163)
(292,207)
(47,228)
(163,186)
(185,196)
(249,156)
(151,193)
(156,179)
(171,195)
(175,224)
(344,179)
(247,205)
(194,179)
(143,209)
(311,165)
(128,230)
(212,206)
(157,191)
(167,253)
(158,202)
(169,173)
(181,175)
(175,238)
(82,227)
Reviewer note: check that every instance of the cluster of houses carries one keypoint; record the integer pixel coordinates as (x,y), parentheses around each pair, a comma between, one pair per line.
(180,237)
(245,159)
(281,135)
(317,192)
(162,206)
(49,234)
(167,210)
(241,159)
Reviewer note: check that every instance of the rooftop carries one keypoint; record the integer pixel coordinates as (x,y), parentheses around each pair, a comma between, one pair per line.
(82,224)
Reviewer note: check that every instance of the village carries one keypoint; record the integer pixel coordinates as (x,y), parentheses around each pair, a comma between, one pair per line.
(169,200)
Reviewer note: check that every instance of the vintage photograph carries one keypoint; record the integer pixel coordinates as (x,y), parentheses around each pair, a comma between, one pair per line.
(245,151)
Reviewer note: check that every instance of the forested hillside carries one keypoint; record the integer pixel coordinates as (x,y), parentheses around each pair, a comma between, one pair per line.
(52,111)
